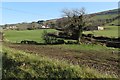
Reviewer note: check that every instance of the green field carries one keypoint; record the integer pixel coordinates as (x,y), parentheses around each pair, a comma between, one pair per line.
(110,31)
(115,22)
(108,16)
(87,48)
(17,36)
(104,16)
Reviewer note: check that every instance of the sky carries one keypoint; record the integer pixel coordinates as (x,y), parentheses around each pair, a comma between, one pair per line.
(17,12)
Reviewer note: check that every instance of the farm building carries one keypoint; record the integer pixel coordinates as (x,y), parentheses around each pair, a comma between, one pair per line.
(45,26)
(100,28)
(11,27)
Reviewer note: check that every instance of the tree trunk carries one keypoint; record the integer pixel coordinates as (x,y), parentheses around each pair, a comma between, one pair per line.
(78,40)
(79,34)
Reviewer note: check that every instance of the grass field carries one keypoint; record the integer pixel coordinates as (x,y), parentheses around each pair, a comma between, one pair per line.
(115,22)
(36,35)
(17,36)
(26,65)
(110,31)
(88,47)
(108,16)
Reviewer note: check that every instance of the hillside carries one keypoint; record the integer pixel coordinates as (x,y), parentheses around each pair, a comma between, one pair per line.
(109,17)
(114,11)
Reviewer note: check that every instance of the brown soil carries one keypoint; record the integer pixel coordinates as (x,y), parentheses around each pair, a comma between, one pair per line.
(107,65)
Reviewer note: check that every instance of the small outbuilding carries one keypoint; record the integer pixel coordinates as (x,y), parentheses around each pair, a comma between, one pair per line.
(100,28)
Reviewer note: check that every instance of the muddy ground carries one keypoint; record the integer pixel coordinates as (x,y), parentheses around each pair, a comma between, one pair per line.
(97,60)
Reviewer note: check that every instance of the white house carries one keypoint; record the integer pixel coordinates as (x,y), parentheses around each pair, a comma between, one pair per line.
(100,28)
(45,26)
(11,27)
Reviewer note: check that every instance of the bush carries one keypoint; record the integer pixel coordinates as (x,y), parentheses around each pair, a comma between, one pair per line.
(45,37)
(113,44)
(51,39)
(28,42)
(60,41)
(90,35)
(30,29)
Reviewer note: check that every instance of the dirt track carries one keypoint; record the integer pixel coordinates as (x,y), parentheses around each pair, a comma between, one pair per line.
(107,65)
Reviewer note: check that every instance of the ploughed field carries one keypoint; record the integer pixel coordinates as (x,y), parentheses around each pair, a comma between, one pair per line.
(27,65)
(103,59)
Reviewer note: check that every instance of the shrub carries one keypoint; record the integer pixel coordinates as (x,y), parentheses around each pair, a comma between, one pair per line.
(60,41)
(90,35)
(29,28)
(51,38)
(113,44)
(28,42)
(45,37)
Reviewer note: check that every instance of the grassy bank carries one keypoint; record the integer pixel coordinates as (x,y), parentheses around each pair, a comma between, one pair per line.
(26,65)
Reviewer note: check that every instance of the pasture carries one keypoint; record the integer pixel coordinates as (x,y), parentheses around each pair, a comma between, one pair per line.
(15,36)
(108,16)
(110,31)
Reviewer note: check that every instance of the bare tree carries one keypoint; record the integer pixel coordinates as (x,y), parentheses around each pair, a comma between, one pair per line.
(75,21)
